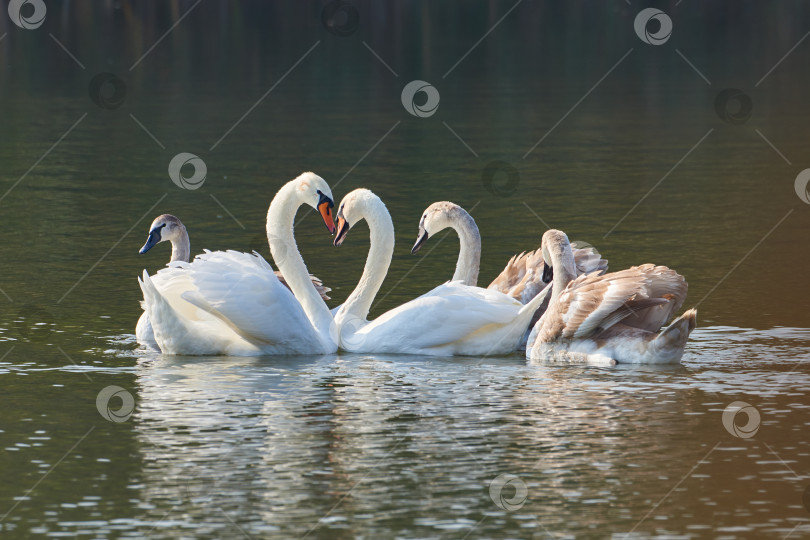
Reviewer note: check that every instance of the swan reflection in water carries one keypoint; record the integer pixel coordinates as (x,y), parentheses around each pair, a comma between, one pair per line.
(413,443)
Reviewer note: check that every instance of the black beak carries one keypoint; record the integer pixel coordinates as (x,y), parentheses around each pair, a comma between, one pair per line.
(342,230)
(423,235)
(154,238)
(548,273)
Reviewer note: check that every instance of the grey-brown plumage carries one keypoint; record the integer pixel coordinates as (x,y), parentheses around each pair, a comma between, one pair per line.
(522,278)
(612,317)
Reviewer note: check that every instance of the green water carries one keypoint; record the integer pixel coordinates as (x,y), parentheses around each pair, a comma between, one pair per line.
(349,446)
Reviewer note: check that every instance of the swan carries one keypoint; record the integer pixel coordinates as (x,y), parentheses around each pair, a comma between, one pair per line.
(522,278)
(612,318)
(232,303)
(451,319)
(169,228)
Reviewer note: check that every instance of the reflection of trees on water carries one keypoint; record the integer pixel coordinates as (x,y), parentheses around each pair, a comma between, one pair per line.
(227,37)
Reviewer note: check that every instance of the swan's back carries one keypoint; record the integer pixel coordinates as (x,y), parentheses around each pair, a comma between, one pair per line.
(441,320)
(236,297)
(522,278)
(644,295)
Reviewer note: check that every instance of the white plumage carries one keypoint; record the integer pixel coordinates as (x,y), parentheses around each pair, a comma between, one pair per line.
(451,319)
(233,303)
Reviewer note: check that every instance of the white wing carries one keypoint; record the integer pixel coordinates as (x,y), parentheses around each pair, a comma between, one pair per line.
(449,313)
(144,333)
(181,328)
(238,297)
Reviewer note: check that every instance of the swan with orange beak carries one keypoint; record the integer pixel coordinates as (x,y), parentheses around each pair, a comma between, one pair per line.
(232,303)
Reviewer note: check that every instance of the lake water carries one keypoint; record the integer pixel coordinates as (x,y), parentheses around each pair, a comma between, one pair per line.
(350,446)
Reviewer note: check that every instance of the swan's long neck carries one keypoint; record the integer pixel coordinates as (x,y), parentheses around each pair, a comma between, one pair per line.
(565,269)
(280,219)
(381,250)
(469,255)
(181,247)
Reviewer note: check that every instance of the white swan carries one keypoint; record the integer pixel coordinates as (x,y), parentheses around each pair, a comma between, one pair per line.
(452,319)
(169,228)
(616,317)
(521,278)
(232,303)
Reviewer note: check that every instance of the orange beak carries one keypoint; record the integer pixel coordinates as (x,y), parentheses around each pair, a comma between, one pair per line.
(325,209)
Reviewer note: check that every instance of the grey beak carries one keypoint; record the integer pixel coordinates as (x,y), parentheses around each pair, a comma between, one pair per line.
(423,235)
(154,238)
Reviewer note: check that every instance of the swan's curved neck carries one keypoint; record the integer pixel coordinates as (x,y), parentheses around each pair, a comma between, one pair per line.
(280,219)
(381,249)
(565,270)
(469,255)
(181,247)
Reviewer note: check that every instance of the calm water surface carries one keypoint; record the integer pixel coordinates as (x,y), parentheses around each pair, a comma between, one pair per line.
(361,446)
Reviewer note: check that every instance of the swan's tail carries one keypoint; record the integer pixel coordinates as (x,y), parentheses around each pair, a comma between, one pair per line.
(673,337)
(150,292)
(534,304)
(161,315)
(528,316)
